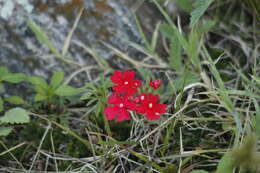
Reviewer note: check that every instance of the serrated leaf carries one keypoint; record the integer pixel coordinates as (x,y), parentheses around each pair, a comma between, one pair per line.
(175,54)
(199,171)
(200,7)
(66,90)
(57,78)
(15,116)
(4,131)
(15,100)
(1,104)
(225,164)
(14,77)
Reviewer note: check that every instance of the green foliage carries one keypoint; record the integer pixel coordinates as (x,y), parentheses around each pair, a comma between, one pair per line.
(226,164)
(57,79)
(199,171)
(1,104)
(6,76)
(257,127)
(42,37)
(47,92)
(5,131)
(14,78)
(97,92)
(246,156)
(15,100)
(15,116)
(200,7)
(184,80)
(66,90)
(185,4)
(175,57)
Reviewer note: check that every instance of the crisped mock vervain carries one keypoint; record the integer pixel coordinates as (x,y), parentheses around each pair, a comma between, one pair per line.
(127,97)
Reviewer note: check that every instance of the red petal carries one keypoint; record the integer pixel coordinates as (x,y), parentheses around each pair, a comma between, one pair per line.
(110,113)
(130,90)
(153,98)
(152,116)
(141,109)
(160,108)
(123,115)
(117,77)
(114,99)
(119,89)
(136,83)
(129,75)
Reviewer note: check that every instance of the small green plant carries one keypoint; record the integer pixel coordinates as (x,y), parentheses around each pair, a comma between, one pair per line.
(14,115)
(97,93)
(46,92)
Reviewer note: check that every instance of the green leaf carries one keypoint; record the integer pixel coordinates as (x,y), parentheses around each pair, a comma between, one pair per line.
(3,71)
(226,164)
(38,81)
(42,37)
(199,171)
(66,90)
(185,5)
(194,48)
(57,78)
(14,77)
(15,100)
(15,115)
(185,79)
(200,7)
(85,97)
(175,54)
(4,131)
(1,86)
(257,108)
(1,104)
(175,47)
(39,97)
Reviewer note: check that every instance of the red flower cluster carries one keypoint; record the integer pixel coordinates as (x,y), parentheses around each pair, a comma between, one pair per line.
(128,98)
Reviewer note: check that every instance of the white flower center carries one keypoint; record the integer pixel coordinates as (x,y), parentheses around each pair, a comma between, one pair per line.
(126,83)
(121,105)
(150,105)
(142,97)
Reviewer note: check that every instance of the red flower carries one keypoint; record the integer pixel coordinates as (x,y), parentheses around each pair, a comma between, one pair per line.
(119,110)
(155,84)
(150,107)
(125,82)
(140,98)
